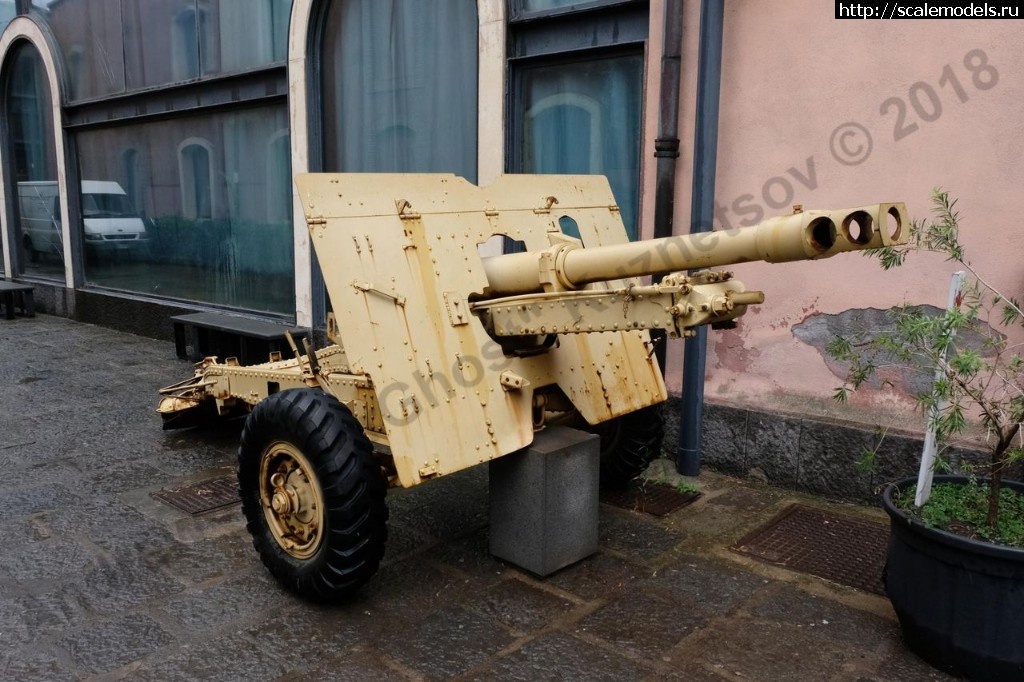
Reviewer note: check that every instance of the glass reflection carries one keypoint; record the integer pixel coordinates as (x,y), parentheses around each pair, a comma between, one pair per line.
(33,162)
(584,117)
(178,40)
(182,209)
(400,86)
(89,35)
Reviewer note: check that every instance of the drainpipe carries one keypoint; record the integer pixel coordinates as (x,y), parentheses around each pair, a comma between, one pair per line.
(666,145)
(705,153)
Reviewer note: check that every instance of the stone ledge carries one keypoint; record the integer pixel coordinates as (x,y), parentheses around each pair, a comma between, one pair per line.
(801,453)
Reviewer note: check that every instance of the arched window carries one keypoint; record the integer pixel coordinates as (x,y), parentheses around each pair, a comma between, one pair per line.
(400,86)
(196,175)
(27,107)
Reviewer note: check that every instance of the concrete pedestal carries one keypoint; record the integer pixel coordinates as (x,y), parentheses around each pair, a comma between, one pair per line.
(544,501)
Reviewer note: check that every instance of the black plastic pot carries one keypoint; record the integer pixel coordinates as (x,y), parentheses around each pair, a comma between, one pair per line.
(960,602)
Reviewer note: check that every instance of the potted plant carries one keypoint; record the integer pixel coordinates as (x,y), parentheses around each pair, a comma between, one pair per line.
(955,569)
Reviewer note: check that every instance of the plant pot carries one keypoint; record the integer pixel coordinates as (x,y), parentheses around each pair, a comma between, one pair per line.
(960,601)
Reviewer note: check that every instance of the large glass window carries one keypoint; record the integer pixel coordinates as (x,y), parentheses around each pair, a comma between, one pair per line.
(400,86)
(111,46)
(584,117)
(576,95)
(90,37)
(179,209)
(32,167)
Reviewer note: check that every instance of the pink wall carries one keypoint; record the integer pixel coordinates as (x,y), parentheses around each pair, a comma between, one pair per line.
(792,75)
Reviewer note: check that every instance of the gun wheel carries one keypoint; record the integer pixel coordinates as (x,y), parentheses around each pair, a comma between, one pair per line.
(292,500)
(312,494)
(628,445)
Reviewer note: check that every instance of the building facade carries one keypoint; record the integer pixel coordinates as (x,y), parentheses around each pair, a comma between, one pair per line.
(194,115)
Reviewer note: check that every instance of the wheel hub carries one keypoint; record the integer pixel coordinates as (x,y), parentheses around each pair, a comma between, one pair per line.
(292,500)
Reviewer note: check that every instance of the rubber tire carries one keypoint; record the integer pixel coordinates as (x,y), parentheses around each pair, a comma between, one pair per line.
(353,486)
(628,445)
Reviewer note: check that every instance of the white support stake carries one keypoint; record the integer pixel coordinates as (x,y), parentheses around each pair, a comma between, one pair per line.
(924,475)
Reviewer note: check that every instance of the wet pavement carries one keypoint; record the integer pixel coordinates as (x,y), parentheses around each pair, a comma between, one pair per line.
(101,581)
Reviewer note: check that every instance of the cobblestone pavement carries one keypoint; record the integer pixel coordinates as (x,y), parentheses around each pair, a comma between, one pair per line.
(99,580)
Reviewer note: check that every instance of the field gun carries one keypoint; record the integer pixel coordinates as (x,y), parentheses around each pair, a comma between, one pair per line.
(443,358)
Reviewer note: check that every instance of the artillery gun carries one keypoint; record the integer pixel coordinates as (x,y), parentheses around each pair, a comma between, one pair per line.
(442,358)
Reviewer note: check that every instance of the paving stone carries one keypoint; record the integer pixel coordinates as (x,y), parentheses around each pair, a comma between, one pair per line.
(824,618)
(360,665)
(229,658)
(188,461)
(519,606)
(227,555)
(409,591)
(559,656)
(123,476)
(635,534)
(29,618)
(32,499)
(447,644)
(403,541)
(109,524)
(745,500)
(34,664)
(449,507)
(905,666)
(52,560)
(204,609)
(470,556)
(300,634)
(710,588)
(756,650)
(646,624)
(122,586)
(115,643)
(601,576)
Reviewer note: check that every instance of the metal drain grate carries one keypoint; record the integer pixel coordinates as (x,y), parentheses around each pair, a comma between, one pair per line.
(839,548)
(203,496)
(654,499)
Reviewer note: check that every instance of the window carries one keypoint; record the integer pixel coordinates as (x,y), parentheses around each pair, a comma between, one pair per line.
(400,86)
(32,177)
(89,35)
(252,33)
(185,43)
(196,179)
(198,229)
(576,96)
(178,40)
(584,117)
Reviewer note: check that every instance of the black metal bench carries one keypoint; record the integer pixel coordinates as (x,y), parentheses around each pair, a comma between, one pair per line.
(199,335)
(15,294)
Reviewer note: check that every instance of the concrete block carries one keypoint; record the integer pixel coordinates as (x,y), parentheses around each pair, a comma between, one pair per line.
(544,501)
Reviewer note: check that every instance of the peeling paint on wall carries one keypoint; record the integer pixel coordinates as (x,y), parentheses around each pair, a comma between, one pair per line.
(730,351)
(820,328)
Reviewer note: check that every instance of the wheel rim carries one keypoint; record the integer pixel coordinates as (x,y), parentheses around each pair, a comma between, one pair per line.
(292,500)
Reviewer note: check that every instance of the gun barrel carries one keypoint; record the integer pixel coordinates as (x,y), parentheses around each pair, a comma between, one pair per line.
(802,236)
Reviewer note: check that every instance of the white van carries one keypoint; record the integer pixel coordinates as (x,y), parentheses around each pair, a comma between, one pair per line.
(110,221)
